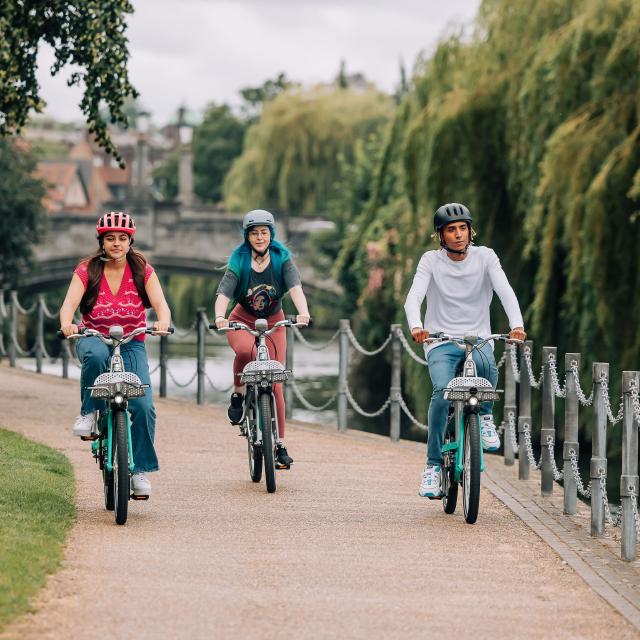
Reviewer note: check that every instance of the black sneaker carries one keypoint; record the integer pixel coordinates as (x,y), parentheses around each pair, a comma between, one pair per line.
(235,408)
(283,459)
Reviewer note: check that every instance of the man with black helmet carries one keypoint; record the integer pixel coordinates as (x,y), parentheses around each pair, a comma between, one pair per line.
(458,281)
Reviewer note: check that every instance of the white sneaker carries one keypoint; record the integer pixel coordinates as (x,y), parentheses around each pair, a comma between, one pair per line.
(83,424)
(490,437)
(140,485)
(430,485)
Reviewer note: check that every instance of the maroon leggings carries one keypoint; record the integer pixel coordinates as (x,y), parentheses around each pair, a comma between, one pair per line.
(244,345)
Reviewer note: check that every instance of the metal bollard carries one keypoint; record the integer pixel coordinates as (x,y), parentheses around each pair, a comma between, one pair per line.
(288,365)
(548,427)
(13,328)
(40,334)
(396,383)
(201,332)
(629,477)
(164,359)
(66,356)
(343,371)
(598,465)
(524,419)
(510,409)
(571,444)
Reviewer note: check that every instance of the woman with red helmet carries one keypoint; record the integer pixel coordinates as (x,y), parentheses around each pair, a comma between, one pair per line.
(115,286)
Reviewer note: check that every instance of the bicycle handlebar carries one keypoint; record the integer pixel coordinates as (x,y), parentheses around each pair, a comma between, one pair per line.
(241,326)
(84,332)
(443,337)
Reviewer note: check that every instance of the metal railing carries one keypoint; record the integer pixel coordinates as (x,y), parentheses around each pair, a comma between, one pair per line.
(517,423)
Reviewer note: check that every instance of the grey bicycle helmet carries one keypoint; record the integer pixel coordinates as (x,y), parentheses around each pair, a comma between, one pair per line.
(258,217)
(452,212)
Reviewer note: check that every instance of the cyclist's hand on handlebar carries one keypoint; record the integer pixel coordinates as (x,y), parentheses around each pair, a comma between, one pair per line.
(517,333)
(69,330)
(161,328)
(221,322)
(419,335)
(305,320)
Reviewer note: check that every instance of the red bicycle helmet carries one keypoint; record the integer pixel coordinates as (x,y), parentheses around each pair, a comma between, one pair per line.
(116,221)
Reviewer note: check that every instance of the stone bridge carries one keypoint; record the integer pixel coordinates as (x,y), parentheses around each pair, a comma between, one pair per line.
(195,240)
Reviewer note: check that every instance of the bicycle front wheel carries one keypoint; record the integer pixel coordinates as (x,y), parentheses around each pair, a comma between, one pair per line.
(121,488)
(471,468)
(268,444)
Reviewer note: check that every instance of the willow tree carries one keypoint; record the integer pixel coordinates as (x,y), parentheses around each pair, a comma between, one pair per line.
(292,155)
(534,123)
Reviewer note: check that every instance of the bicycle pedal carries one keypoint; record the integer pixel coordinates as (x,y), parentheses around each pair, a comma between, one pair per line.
(282,466)
(435,497)
(135,497)
(89,438)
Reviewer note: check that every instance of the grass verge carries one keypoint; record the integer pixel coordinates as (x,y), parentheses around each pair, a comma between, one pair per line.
(36,512)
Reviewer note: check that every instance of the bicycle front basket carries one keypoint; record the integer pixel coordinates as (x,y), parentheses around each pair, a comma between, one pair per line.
(264,370)
(108,384)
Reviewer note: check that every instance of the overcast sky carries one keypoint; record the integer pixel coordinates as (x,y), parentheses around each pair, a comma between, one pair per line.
(200,51)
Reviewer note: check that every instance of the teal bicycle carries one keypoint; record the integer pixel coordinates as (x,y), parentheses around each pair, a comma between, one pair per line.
(463,458)
(111,444)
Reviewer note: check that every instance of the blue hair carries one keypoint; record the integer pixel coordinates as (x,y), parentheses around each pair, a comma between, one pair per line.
(240,263)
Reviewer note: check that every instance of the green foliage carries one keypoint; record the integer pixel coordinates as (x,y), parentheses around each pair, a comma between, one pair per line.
(292,155)
(255,97)
(216,144)
(533,122)
(90,36)
(21,214)
(36,514)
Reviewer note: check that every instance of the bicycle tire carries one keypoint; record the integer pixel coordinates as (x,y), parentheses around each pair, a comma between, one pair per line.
(121,476)
(268,445)
(107,479)
(471,468)
(255,453)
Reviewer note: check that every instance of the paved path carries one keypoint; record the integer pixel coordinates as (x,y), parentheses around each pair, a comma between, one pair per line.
(344,549)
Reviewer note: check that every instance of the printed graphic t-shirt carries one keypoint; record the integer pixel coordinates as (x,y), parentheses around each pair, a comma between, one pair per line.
(262,298)
(124,308)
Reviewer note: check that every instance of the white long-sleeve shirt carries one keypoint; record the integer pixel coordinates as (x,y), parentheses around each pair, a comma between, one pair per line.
(459,293)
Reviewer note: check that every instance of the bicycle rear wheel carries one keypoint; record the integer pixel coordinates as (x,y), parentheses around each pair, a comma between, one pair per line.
(471,470)
(107,478)
(449,485)
(255,453)
(268,444)
(121,477)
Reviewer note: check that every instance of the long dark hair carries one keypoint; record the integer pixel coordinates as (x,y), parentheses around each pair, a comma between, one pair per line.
(95,270)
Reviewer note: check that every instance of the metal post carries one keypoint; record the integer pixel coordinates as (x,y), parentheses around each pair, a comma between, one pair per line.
(201,329)
(288,365)
(13,327)
(510,410)
(343,371)
(598,448)
(524,419)
(66,355)
(396,383)
(164,359)
(571,445)
(629,477)
(40,334)
(548,427)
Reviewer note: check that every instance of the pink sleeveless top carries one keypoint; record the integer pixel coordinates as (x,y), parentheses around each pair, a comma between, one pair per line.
(125,308)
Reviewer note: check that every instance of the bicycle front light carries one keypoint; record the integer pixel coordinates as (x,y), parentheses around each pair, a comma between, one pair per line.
(118,398)
(473,401)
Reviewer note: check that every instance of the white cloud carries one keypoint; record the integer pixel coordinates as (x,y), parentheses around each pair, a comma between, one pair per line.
(199,51)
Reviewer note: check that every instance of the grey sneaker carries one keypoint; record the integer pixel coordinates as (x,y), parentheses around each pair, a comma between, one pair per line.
(83,425)
(430,484)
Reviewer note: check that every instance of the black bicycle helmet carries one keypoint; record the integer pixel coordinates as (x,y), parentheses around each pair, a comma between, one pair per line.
(452,212)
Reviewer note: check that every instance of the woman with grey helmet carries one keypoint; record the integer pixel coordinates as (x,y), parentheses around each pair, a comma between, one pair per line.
(458,281)
(259,273)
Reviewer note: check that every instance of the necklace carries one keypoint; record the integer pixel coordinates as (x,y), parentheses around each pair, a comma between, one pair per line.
(259,260)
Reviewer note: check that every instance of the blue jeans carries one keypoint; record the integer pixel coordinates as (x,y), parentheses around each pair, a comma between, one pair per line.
(94,356)
(443,361)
